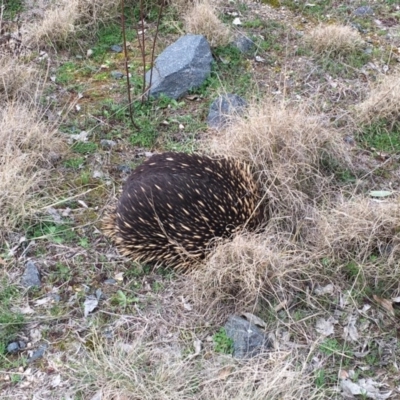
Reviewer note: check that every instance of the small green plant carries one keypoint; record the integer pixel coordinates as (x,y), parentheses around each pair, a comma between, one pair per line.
(56,233)
(320,380)
(381,136)
(74,163)
(84,147)
(122,300)
(66,73)
(222,343)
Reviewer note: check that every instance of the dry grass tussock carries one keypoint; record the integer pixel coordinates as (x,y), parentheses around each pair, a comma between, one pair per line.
(202,19)
(356,228)
(290,151)
(144,370)
(382,102)
(336,39)
(17,80)
(27,143)
(67,18)
(244,270)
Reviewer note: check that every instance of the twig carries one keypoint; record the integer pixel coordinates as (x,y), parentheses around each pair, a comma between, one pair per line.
(128,83)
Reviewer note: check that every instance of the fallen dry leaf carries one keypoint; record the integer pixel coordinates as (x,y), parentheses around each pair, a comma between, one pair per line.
(223,373)
(385,303)
(90,304)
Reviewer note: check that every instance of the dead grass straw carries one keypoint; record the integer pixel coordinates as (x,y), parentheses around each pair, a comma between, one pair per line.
(27,146)
(249,268)
(17,80)
(148,370)
(337,39)
(382,102)
(360,228)
(202,19)
(291,152)
(67,19)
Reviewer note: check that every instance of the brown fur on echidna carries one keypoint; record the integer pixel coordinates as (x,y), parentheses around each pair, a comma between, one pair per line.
(175,204)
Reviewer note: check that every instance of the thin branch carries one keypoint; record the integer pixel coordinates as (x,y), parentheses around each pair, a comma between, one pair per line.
(128,83)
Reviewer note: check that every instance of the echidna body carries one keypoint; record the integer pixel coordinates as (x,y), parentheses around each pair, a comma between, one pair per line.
(175,204)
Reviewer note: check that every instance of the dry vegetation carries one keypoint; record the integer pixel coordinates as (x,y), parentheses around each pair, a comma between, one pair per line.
(382,102)
(202,19)
(29,147)
(335,39)
(290,150)
(152,337)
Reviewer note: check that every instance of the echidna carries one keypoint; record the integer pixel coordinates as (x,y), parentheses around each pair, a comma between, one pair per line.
(175,204)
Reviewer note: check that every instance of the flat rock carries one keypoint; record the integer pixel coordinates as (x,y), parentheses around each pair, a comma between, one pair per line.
(31,276)
(182,66)
(223,108)
(248,340)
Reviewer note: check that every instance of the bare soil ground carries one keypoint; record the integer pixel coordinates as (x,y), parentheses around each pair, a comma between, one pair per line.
(323,134)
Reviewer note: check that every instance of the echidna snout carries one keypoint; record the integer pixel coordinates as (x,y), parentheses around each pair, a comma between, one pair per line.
(175,204)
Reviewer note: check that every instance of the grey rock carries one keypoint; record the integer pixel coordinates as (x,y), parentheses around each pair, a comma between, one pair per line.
(182,66)
(31,276)
(124,168)
(248,340)
(244,44)
(117,74)
(110,281)
(107,144)
(224,107)
(116,48)
(38,353)
(363,10)
(13,347)
(16,346)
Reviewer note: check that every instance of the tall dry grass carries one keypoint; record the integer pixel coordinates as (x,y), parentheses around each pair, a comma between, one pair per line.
(202,19)
(147,370)
(67,19)
(290,151)
(382,102)
(28,145)
(337,39)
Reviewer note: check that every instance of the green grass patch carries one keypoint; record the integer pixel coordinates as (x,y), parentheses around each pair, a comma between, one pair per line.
(74,163)
(12,8)
(11,321)
(56,233)
(381,136)
(84,147)
(222,343)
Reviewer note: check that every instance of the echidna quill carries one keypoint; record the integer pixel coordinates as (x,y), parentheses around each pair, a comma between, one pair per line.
(175,204)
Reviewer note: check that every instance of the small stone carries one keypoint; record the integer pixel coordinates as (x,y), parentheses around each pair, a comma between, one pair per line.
(117,74)
(89,53)
(31,276)
(108,144)
(124,168)
(224,107)
(110,281)
(13,347)
(244,44)
(363,10)
(22,345)
(38,353)
(248,340)
(116,48)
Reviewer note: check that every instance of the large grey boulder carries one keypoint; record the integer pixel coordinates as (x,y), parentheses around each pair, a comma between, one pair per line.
(182,66)
(248,340)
